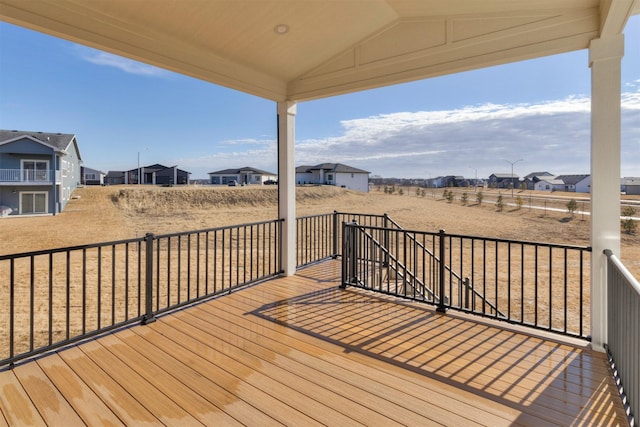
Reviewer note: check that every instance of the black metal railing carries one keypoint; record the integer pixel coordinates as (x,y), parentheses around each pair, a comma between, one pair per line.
(319,236)
(541,285)
(56,297)
(623,331)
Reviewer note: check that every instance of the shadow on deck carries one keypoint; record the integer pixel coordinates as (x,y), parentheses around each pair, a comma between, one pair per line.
(301,351)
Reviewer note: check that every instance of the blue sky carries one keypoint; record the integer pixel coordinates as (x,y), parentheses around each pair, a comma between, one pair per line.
(537,111)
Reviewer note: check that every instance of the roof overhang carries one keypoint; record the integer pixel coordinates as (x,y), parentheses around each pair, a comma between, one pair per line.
(292,50)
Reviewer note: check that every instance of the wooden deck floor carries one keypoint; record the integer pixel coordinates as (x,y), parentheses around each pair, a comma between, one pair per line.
(300,351)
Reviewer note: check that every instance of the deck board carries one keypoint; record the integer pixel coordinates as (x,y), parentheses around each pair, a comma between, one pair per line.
(301,351)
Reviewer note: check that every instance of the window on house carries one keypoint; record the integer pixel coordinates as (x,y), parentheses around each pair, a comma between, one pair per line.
(330,177)
(34,170)
(33,202)
(91,176)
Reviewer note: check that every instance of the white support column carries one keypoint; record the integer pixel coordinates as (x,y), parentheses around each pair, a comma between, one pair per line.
(287,184)
(605,56)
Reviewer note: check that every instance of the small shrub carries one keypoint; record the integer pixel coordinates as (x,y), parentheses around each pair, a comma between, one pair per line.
(450,197)
(499,203)
(479,197)
(572,206)
(400,192)
(464,198)
(445,194)
(519,202)
(628,225)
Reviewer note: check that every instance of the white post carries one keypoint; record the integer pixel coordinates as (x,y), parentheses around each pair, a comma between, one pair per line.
(287,184)
(605,57)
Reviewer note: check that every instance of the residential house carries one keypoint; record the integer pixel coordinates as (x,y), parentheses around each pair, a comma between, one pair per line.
(504,180)
(114,178)
(630,185)
(91,176)
(38,171)
(246,175)
(548,183)
(449,181)
(336,174)
(157,175)
(576,183)
(531,179)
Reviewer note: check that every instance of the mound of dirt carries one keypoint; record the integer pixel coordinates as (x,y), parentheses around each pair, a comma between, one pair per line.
(160,201)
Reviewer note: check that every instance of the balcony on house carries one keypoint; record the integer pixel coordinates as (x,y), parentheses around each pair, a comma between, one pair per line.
(29,176)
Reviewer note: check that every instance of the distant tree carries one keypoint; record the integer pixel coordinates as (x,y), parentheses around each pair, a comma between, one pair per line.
(450,197)
(499,203)
(572,206)
(519,202)
(628,225)
(464,198)
(479,197)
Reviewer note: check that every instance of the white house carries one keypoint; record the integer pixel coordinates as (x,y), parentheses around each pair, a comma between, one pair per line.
(334,174)
(548,183)
(245,175)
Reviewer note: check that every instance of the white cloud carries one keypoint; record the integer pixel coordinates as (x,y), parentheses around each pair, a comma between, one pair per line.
(553,136)
(127,65)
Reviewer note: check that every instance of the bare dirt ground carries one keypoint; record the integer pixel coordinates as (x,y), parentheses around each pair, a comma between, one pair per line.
(99,214)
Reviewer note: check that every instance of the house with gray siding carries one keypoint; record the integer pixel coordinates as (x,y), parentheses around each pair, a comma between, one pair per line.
(630,185)
(92,176)
(504,180)
(576,183)
(38,171)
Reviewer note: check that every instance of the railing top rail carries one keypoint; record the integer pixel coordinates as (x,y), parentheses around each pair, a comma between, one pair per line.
(633,282)
(315,215)
(360,214)
(226,227)
(490,239)
(70,248)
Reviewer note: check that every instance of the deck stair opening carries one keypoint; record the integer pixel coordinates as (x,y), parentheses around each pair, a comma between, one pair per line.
(540,285)
(384,270)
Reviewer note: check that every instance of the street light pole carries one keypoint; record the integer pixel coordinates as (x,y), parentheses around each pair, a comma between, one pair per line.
(512,163)
(475,183)
(138,168)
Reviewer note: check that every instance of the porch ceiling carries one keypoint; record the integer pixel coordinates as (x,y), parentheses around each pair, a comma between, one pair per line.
(331,47)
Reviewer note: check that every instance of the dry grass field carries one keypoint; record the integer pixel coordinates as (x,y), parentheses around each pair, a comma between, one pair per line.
(99,214)
(102,214)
